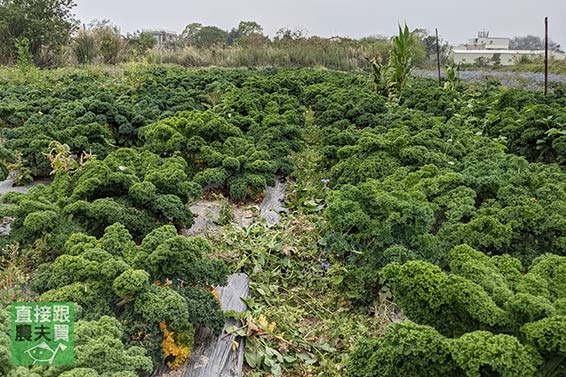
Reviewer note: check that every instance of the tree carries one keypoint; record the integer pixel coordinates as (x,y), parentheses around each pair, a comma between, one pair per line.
(141,42)
(246,28)
(203,36)
(286,36)
(210,36)
(419,49)
(532,42)
(47,24)
(248,32)
(429,44)
(190,31)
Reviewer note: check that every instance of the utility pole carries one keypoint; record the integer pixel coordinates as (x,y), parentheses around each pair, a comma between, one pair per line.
(545,56)
(438,57)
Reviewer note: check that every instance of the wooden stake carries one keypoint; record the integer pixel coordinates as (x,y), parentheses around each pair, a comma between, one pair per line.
(545,56)
(438,57)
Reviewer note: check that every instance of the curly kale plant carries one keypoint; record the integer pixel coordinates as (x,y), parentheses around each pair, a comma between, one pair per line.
(138,189)
(165,278)
(488,316)
(218,153)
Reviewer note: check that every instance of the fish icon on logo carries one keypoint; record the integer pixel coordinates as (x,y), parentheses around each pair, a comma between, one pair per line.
(43,353)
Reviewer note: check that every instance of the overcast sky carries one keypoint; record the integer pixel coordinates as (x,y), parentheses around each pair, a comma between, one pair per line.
(456,20)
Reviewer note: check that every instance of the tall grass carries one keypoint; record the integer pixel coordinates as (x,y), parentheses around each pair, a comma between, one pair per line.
(84,47)
(332,55)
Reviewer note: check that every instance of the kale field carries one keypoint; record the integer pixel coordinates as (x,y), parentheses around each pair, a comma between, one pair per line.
(424,233)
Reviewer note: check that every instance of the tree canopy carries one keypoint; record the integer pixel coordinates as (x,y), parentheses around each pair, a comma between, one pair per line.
(46,24)
(531,42)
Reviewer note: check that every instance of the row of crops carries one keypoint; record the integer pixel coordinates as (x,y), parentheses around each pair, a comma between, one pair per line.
(450,202)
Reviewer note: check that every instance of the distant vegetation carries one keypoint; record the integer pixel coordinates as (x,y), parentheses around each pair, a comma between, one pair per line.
(53,38)
(532,42)
(537,65)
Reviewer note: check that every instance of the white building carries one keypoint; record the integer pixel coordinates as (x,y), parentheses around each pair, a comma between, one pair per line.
(164,38)
(485,42)
(491,50)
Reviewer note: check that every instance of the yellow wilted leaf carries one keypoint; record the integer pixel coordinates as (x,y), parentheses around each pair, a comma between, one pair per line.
(271,327)
(262,321)
(170,348)
(214,293)
(235,345)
